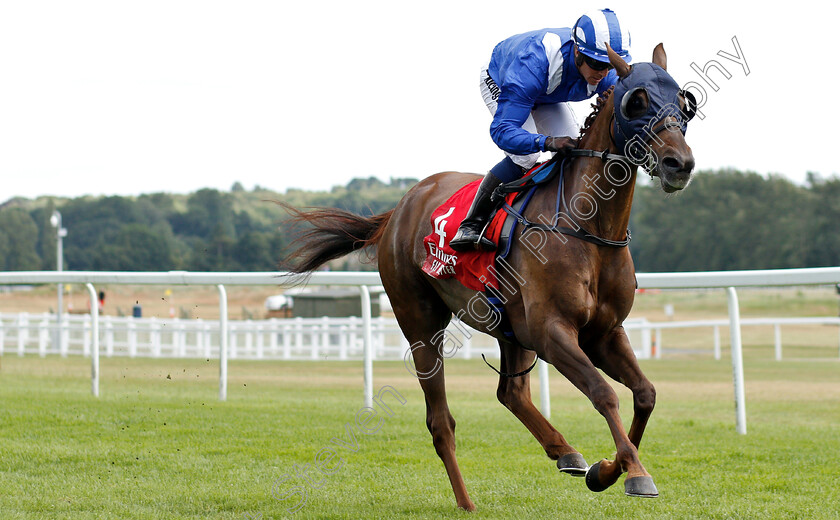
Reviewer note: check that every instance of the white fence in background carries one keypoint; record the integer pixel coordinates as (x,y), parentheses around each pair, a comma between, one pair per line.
(728,280)
(657,328)
(326,338)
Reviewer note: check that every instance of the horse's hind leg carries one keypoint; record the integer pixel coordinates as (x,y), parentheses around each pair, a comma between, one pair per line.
(515,394)
(422,315)
(439,420)
(615,357)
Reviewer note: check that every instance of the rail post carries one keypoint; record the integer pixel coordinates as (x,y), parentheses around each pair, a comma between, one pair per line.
(737,361)
(94,336)
(545,402)
(368,343)
(223,342)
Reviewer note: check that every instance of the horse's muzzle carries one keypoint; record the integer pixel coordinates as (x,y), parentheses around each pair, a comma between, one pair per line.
(675,170)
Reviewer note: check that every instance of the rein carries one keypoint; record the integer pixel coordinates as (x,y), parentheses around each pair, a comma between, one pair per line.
(604,156)
(580,233)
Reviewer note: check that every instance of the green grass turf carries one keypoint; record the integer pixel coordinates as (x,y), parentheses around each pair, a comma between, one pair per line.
(159,444)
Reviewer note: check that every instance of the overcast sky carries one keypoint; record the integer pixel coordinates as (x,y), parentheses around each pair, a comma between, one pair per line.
(124,98)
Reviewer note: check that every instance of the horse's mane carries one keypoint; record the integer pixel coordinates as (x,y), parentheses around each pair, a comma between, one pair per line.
(599,104)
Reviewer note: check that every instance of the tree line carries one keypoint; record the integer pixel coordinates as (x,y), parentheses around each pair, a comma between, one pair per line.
(724,220)
(731,220)
(208,230)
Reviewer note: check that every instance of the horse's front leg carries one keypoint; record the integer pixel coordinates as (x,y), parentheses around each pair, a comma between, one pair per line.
(614,355)
(561,349)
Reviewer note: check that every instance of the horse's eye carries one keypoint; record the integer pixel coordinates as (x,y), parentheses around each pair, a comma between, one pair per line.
(634,104)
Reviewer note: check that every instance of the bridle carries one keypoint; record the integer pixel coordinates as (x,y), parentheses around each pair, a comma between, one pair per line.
(667,122)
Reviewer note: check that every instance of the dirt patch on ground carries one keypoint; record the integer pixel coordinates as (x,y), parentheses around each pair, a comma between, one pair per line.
(158,301)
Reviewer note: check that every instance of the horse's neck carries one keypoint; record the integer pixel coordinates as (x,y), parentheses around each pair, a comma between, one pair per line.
(609,184)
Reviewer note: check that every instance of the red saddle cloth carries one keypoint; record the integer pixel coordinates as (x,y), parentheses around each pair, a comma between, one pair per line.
(470,267)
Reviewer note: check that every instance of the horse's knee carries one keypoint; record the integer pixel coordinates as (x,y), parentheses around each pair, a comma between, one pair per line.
(604,398)
(502,395)
(644,399)
(511,393)
(504,392)
(442,429)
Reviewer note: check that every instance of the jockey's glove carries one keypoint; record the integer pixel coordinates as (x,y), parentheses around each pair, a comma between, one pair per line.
(560,145)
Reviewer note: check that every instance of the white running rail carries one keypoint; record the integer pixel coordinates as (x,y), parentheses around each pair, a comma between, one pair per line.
(728,280)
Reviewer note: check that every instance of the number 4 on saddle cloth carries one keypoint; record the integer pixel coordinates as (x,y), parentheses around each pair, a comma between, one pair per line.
(477,270)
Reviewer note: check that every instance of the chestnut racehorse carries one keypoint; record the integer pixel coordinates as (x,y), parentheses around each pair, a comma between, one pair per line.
(570,296)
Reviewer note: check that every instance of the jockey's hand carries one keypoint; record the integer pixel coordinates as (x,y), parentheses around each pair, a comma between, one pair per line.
(560,145)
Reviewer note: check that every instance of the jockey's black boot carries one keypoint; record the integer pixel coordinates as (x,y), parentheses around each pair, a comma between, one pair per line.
(469,236)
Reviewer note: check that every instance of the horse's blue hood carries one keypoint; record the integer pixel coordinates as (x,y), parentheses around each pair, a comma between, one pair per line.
(664,101)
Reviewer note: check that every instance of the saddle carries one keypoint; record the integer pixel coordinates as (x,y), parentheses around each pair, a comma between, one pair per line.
(476,270)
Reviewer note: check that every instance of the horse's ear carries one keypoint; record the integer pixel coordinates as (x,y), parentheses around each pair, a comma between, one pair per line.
(659,57)
(621,67)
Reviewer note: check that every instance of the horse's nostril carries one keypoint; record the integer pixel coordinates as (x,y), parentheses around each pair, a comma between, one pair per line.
(671,163)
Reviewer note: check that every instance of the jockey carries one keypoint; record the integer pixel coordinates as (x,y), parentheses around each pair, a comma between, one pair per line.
(527,86)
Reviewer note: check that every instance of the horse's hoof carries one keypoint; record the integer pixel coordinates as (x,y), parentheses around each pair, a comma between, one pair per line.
(573,464)
(592,480)
(467,506)
(640,487)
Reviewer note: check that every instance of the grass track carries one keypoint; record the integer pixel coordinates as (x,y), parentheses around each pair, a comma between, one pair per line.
(159,444)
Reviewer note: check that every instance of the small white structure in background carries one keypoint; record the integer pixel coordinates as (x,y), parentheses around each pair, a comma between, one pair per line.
(325,301)
(281,305)
(278,302)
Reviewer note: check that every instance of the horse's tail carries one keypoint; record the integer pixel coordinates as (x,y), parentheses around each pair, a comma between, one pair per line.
(335,233)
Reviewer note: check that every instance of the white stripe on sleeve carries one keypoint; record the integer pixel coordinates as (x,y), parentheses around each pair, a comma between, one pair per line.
(552,44)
